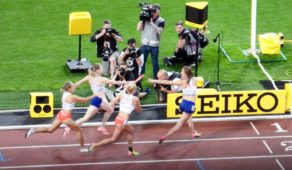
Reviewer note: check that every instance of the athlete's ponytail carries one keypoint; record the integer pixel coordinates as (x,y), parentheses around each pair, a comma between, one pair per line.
(92,70)
(67,86)
(188,71)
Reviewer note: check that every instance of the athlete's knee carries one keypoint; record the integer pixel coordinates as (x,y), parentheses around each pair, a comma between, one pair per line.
(110,110)
(113,139)
(50,130)
(82,120)
(130,137)
(131,130)
(76,129)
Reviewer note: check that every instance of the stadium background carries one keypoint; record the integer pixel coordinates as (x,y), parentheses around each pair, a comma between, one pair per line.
(35,44)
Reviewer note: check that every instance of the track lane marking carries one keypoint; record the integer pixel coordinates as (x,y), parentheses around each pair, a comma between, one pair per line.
(268,147)
(279,163)
(254,128)
(200,164)
(151,142)
(146,161)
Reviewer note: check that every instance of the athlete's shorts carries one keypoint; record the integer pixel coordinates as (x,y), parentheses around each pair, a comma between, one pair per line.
(96,101)
(187,106)
(120,120)
(62,116)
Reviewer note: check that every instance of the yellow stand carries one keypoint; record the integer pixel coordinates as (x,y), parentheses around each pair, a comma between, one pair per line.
(79,24)
(41,105)
(196,14)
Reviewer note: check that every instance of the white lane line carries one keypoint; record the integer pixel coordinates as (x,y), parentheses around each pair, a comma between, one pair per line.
(151,142)
(254,128)
(147,161)
(268,147)
(147,122)
(279,163)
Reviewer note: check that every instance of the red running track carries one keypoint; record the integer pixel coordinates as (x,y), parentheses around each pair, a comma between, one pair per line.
(265,144)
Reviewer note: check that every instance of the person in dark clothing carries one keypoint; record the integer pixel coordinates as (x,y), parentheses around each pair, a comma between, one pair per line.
(130,64)
(132,57)
(189,46)
(106,40)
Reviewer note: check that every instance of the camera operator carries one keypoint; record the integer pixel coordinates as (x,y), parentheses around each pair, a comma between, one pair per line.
(106,40)
(189,46)
(162,90)
(151,30)
(132,57)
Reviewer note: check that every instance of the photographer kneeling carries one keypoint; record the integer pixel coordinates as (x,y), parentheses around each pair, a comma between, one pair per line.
(106,40)
(162,90)
(188,51)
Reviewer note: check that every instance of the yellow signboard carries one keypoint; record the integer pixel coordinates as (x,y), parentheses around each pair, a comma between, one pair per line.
(41,104)
(232,103)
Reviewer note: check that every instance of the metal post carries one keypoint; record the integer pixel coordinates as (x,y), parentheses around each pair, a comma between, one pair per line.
(79,49)
(253,26)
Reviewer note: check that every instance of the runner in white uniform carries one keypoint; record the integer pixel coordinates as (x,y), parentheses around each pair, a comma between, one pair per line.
(97,82)
(128,103)
(188,84)
(65,115)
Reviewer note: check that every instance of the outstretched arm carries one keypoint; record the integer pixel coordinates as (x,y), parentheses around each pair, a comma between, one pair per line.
(165,82)
(77,84)
(78,99)
(108,81)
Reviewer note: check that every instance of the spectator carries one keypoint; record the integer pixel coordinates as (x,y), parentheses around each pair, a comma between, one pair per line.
(163,90)
(106,40)
(150,37)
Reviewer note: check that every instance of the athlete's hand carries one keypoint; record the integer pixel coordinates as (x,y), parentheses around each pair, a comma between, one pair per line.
(127,51)
(162,89)
(151,80)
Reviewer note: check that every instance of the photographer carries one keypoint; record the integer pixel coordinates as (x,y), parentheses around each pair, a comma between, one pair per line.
(162,90)
(106,40)
(151,26)
(189,47)
(121,75)
(132,57)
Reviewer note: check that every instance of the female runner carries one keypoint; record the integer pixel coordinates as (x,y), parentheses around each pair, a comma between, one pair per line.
(97,82)
(64,116)
(188,84)
(128,103)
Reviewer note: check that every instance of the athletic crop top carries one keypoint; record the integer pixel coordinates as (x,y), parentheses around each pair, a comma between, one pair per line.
(65,105)
(95,87)
(126,103)
(190,90)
